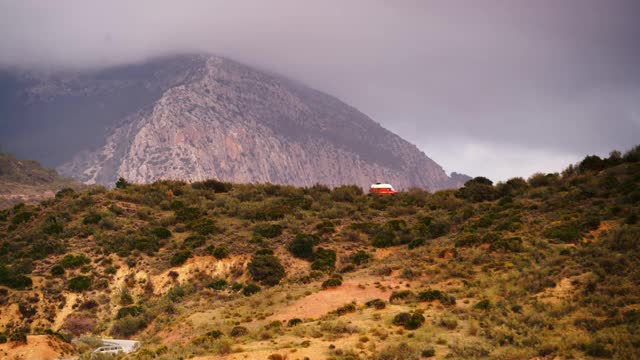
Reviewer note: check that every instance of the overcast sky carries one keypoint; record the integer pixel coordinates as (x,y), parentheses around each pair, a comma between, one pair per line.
(484,87)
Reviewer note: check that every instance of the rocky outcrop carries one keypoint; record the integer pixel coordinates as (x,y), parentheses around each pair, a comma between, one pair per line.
(235,123)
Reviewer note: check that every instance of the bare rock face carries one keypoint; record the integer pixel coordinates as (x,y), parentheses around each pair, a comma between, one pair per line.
(234,123)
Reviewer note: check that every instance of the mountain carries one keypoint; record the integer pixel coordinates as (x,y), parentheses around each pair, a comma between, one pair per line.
(542,268)
(27,181)
(199,117)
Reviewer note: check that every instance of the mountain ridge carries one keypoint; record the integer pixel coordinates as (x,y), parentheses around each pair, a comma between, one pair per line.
(231,122)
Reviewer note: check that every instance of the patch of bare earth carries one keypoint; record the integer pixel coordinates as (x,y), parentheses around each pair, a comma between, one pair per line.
(208,265)
(40,347)
(320,303)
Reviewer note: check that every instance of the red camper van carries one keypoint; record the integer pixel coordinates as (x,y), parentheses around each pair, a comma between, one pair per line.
(383,189)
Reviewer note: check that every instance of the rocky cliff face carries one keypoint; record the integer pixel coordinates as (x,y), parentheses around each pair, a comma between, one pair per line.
(199,117)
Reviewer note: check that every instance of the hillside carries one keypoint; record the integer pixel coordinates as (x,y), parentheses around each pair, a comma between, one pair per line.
(197,117)
(542,268)
(27,181)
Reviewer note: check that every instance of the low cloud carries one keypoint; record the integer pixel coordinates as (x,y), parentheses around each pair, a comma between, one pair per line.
(544,79)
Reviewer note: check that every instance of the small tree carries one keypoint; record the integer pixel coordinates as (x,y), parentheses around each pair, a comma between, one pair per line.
(266,269)
(121,183)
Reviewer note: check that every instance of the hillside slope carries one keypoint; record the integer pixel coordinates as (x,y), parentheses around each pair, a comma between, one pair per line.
(27,181)
(541,268)
(198,117)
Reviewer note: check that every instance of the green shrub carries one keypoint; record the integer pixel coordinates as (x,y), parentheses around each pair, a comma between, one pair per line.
(484,304)
(477,190)
(92,218)
(348,193)
(128,326)
(567,232)
(204,226)
(383,238)
(186,214)
(212,184)
(250,289)
(377,304)
(402,295)
(468,240)
(428,352)
(70,261)
(438,228)
(409,321)
(13,280)
(193,242)
(512,244)
(121,183)
(332,282)
(294,322)
(179,257)
(324,260)
(80,283)
(268,231)
(57,270)
(219,284)
(238,331)
(325,227)
(302,246)
(220,252)
(360,257)
(343,310)
(266,269)
(161,233)
(129,311)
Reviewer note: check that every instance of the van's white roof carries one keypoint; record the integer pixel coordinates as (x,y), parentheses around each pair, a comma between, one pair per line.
(381,186)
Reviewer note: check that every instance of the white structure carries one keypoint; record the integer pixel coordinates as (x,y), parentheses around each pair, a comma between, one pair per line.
(115,347)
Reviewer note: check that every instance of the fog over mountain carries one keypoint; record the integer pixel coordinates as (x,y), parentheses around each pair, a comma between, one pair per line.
(495,88)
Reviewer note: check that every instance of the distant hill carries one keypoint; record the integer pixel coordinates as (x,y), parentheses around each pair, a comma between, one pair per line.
(27,181)
(542,268)
(199,117)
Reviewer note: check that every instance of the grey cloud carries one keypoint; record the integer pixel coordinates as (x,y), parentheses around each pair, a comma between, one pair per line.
(515,80)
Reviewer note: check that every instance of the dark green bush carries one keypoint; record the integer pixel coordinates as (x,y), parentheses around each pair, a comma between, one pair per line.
(121,183)
(250,289)
(302,246)
(129,311)
(187,214)
(409,321)
(484,304)
(92,218)
(219,284)
(238,331)
(378,304)
(384,238)
(438,228)
(268,231)
(567,232)
(293,322)
(193,242)
(179,257)
(80,283)
(57,270)
(220,252)
(161,233)
(401,295)
(348,193)
(324,260)
(512,244)
(332,282)
(343,310)
(325,227)
(266,269)
(212,184)
(71,261)
(360,257)
(128,326)
(204,226)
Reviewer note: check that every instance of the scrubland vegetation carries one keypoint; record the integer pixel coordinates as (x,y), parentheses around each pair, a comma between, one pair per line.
(542,267)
